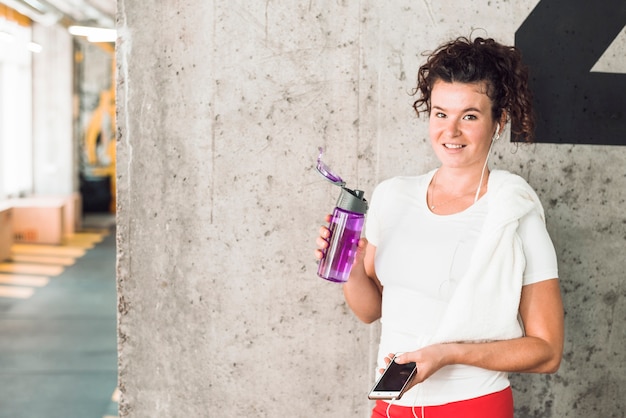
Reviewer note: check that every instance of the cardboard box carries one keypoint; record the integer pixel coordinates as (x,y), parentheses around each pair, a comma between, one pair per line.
(73,213)
(38,220)
(6,232)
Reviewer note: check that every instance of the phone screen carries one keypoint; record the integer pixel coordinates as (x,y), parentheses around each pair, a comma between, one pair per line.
(393,381)
(395,377)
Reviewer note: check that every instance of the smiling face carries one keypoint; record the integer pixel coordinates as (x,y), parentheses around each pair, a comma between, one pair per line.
(461,124)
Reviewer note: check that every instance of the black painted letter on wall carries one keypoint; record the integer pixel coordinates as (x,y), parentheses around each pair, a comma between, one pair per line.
(561,40)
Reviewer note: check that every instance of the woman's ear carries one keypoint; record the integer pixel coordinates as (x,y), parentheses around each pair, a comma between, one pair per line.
(502,122)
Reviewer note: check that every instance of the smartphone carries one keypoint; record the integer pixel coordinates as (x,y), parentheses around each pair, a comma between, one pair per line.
(394,381)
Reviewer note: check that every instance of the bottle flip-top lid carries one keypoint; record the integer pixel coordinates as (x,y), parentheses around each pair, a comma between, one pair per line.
(351,200)
(325,171)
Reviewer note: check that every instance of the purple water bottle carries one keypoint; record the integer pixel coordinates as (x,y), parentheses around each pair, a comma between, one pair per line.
(345,228)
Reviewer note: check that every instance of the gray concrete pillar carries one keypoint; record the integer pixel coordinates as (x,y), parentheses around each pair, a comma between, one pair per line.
(221,108)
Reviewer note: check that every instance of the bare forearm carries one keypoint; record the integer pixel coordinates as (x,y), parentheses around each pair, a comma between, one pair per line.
(363,295)
(363,291)
(522,355)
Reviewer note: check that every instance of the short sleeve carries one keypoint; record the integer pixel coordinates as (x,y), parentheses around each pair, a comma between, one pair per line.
(541,261)
(373,224)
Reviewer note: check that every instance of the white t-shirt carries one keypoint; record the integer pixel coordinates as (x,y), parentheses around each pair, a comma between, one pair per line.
(420,257)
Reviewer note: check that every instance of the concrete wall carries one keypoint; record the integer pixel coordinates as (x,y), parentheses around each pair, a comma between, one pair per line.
(221,108)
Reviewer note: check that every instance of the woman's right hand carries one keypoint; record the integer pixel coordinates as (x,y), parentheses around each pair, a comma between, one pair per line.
(322,239)
(322,244)
(362,290)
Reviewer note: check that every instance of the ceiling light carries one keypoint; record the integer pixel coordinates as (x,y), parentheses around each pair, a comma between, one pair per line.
(6,37)
(34,47)
(94,34)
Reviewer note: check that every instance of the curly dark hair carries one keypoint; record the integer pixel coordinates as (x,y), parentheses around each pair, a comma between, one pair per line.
(482,60)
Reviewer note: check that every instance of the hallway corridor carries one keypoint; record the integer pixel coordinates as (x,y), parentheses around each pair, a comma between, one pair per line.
(58,349)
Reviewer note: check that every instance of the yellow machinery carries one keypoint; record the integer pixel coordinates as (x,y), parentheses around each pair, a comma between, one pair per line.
(100,139)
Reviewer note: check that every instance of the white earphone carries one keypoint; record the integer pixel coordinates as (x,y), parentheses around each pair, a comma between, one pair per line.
(497,134)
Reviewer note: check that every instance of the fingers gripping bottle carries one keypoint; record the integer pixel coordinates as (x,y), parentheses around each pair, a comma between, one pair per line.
(345,228)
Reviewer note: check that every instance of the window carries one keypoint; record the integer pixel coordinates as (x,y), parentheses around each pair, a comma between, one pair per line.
(16,143)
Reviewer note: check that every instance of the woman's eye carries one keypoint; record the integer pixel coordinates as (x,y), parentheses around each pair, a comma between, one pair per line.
(469,117)
(440,115)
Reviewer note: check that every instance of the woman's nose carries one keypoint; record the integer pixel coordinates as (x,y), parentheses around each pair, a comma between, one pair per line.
(452,128)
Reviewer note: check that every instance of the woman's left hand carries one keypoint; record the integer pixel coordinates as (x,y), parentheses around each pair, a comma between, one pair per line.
(428,360)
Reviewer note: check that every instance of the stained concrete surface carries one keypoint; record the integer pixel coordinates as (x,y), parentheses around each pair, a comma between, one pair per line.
(222,106)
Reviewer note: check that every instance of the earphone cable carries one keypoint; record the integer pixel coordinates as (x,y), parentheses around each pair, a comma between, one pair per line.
(418,389)
(482,174)
(389,406)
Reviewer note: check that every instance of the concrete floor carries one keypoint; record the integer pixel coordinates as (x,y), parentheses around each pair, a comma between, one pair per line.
(58,349)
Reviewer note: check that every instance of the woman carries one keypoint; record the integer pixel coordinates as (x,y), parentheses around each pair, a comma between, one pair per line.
(457,263)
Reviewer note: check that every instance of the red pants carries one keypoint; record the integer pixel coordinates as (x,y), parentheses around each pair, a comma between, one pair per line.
(495,405)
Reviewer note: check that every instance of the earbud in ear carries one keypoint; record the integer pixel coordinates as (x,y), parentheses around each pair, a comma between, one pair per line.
(496,136)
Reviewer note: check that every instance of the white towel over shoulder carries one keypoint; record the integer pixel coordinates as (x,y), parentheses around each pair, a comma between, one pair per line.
(485,304)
